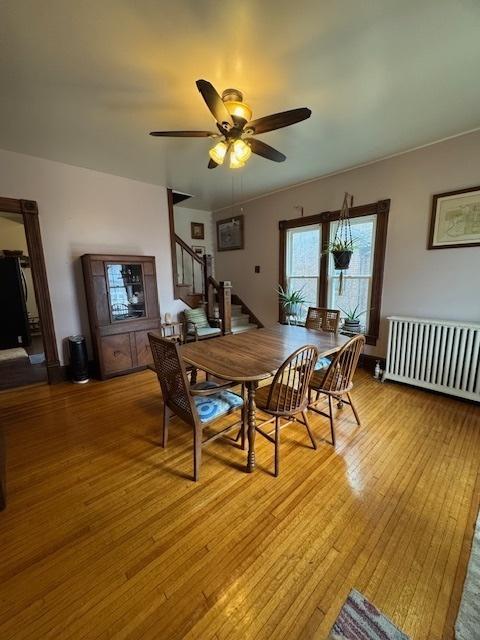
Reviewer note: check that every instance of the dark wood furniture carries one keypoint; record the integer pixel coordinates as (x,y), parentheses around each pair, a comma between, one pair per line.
(337,381)
(122,304)
(253,356)
(323,319)
(286,397)
(3,472)
(180,398)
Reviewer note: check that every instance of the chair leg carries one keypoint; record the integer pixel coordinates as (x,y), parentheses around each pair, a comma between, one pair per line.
(244,419)
(197,453)
(353,409)
(330,413)
(277,446)
(166,418)
(305,417)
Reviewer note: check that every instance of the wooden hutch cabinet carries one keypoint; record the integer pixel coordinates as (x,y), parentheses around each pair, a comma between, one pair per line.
(123,307)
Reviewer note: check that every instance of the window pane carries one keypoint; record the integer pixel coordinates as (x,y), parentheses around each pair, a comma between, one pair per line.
(358,277)
(303,251)
(356,291)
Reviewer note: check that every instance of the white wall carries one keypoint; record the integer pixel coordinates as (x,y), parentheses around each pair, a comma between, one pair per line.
(183,219)
(84,211)
(434,284)
(12,237)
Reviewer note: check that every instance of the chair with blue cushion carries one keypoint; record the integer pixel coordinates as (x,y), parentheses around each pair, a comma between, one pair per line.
(198,405)
(321,319)
(198,326)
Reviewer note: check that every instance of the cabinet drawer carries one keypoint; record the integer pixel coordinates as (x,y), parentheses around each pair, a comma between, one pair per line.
(116,353)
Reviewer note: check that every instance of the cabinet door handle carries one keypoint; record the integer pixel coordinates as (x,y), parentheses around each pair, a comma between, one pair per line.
(117,353)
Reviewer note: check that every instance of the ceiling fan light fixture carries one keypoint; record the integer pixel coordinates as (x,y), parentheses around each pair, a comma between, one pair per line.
(242,150)
(239,110)
(218,152)
(235,162)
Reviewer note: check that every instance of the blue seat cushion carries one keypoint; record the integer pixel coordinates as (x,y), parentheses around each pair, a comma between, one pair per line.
(217,405)
(322,363)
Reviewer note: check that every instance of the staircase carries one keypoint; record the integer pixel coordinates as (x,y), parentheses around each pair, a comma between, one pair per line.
(240,321)
(195,286)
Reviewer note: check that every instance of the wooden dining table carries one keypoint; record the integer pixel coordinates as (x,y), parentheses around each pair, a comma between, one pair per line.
(253,356)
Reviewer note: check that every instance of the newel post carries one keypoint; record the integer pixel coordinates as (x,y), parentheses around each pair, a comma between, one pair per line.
(225,306)
(208,289)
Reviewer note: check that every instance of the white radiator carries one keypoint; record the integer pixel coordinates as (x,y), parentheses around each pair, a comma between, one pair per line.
(435,354)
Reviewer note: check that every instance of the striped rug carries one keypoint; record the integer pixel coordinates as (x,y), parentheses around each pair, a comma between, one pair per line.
(360,620)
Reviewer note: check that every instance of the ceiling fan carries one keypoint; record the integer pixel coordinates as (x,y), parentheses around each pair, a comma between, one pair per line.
(236,128)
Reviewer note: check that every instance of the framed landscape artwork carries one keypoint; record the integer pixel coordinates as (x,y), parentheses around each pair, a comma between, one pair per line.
(230,234)
(198,231)
(455,220)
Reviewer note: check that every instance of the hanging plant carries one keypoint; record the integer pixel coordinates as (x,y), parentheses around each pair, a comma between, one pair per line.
(342,245)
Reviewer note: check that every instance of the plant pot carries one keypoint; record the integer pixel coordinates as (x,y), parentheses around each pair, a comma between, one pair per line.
(341,259)
(351,325)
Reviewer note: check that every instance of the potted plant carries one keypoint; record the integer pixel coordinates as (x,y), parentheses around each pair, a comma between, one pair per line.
(341,251)
(292,301)
(351,321)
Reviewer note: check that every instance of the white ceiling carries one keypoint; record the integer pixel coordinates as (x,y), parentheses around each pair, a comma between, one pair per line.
(84,82)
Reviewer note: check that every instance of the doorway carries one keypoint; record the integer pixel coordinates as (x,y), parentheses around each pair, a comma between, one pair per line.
(28,350)
(22,354)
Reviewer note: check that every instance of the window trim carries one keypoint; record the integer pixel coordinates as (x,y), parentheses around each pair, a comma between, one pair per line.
(381,209)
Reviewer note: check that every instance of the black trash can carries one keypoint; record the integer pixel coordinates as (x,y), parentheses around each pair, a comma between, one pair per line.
(78,359)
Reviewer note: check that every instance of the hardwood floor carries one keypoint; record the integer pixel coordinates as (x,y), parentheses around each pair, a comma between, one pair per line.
(104,537)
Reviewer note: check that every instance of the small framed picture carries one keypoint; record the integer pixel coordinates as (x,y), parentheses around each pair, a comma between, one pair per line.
(230,234)
(200,251)
(198,231)
(455,220)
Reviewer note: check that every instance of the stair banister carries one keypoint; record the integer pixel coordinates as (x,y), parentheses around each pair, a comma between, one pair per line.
(225,306)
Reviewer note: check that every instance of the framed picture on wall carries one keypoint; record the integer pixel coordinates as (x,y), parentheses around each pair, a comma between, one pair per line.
(197,231)
(200,251)
(455,220)
(230,234)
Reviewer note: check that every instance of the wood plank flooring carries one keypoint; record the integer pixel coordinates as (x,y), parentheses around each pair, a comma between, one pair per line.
(105,536)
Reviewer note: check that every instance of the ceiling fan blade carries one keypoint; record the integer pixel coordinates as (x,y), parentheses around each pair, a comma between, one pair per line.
(265,150)
(214,102)
(212,164)
(183,134)
(278,120)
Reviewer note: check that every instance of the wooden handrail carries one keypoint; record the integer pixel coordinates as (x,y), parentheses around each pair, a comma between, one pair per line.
(215,284)
(188,249)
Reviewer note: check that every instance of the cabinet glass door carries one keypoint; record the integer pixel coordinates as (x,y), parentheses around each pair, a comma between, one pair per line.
(126,291)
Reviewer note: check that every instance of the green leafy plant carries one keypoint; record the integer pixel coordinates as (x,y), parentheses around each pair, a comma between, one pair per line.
(352,313)
(292,300)
(339,245)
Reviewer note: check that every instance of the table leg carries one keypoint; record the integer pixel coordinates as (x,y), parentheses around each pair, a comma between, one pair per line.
(252,421)
(193,376)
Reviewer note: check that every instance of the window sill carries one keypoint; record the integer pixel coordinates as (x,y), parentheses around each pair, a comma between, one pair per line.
(370,340)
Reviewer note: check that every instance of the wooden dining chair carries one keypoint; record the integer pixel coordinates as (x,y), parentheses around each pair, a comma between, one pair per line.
(322,319)
(199,405)
(286,397)
(337,381)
